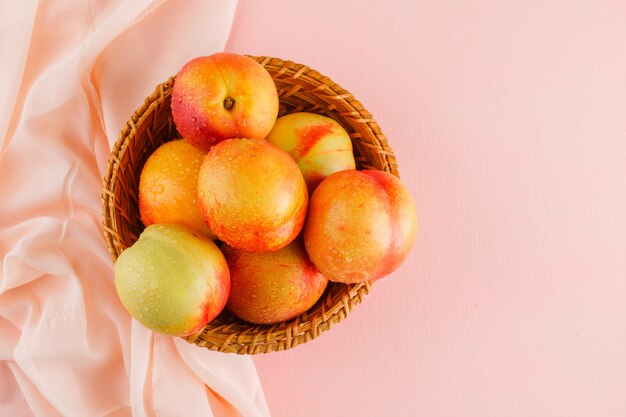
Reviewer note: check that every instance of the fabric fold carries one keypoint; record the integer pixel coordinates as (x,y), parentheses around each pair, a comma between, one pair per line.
(67,346)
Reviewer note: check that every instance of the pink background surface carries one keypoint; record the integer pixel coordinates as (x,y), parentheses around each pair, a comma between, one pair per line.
(508,122)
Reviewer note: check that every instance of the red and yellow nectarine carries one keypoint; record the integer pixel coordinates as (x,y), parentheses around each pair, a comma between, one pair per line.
(274,286)
(318,144)
(361,225)
(223,96)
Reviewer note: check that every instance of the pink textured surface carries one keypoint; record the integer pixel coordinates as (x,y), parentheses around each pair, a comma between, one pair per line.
(507,119)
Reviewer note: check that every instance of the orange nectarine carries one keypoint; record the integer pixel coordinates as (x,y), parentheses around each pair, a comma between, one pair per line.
(252,195)
(167,187)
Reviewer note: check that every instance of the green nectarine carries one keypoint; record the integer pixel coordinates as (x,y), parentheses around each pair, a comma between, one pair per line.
(172,280)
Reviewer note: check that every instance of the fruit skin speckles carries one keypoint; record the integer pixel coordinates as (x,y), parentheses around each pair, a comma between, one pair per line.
(317,143)
(168,184)
(223,96)
(172,281)
(378,222)
(274,286)
(252,195)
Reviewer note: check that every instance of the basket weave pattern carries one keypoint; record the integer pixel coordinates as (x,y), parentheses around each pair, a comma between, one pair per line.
(300,88)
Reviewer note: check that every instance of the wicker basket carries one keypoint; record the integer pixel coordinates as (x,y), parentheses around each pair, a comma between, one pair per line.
(300,88)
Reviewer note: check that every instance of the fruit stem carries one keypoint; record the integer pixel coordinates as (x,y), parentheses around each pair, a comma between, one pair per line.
(229,103)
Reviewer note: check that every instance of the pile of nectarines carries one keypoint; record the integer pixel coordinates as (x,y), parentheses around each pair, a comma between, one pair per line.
(253,213)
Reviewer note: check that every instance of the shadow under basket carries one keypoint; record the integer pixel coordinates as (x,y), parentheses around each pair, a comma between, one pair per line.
(300,88)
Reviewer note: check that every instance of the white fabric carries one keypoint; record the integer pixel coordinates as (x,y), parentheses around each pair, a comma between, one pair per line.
(73,72)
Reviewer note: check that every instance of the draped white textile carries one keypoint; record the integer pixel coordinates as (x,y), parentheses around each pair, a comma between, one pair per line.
(72,73)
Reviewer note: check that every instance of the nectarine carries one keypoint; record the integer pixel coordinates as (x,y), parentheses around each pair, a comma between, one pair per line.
(252,195)
(223,96)
(167,187)
(318,144)
(171,280)
(361,225)
(274,286)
